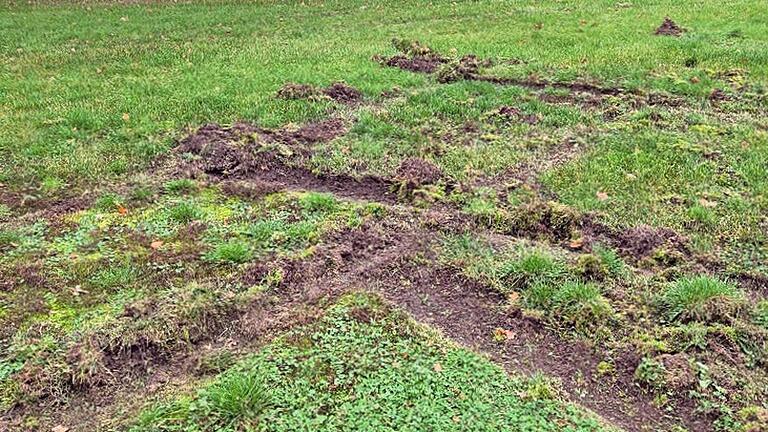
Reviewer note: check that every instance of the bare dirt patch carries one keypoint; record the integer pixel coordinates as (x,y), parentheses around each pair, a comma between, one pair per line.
(337,91)
(416,172)
(669,28)
(245,152)
(312,133)
(472,315)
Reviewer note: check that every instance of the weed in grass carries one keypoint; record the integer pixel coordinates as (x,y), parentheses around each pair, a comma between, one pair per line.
(184,212)
(180,186)
(116,276)
(142,193)
(533,266)
(701,298)
(702,216)
(761,314)
(233,251)
(610,259)
(236,401)
(319,202)
(108,202)
(582,305)
(651,373)
(591,267)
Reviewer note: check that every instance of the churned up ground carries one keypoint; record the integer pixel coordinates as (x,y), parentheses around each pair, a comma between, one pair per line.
(450,216)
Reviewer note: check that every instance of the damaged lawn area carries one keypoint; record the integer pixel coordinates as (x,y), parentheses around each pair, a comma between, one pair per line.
(360,352)
(340,215)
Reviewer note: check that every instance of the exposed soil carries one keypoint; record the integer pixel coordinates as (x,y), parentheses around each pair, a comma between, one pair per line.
(418,63)
(312,133)
(643,240)
(417,172)
(338,91)
(669,28)
(243,152)
(341,92)
(470,314)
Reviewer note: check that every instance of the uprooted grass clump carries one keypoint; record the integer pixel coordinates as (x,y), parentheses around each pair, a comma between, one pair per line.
(537,280)
(701,298)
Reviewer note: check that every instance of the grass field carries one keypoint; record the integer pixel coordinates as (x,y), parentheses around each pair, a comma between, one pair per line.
(502,215)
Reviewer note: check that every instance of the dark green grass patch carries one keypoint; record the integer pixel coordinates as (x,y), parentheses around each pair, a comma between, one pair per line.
(357,370)
(701,298)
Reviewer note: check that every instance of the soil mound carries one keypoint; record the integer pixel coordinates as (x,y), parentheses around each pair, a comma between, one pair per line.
(416,172)
(341,92)
(338,91)
(220,150)
(669,28)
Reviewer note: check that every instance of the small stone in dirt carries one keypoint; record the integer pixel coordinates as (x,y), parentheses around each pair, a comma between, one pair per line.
(669,28)
(341,92)
(417,172)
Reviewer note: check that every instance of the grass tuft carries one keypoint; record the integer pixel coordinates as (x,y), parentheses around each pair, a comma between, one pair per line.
(701,298)
(234,251)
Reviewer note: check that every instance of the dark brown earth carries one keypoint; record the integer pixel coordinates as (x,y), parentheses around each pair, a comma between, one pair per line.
(470,314)
(341,92)
(417,172)
(312,133)
(418,63)
(669,28)
(243,152)
(338,91)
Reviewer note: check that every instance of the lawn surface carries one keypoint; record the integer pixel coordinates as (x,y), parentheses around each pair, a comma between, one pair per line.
(503,215)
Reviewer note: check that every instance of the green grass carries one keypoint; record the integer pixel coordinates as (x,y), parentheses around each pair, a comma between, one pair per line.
(350,374)
(136,73)
(701,298)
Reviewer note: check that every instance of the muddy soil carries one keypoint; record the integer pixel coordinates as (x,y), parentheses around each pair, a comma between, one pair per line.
(419,63)
(244,152)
